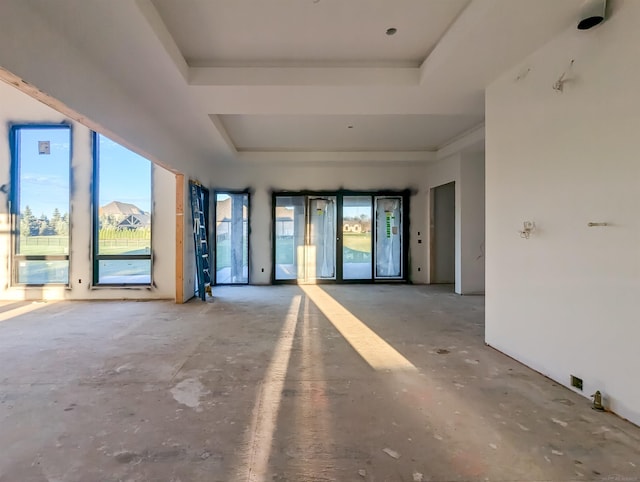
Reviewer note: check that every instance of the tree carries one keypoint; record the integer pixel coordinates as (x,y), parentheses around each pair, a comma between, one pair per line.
(61,227)
(108,221)
(55,217)
(44,227)
(28,223)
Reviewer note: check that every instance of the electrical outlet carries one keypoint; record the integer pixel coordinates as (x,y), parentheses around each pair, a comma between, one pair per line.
(576,382)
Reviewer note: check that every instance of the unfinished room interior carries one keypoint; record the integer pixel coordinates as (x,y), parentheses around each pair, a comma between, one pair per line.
(319,240)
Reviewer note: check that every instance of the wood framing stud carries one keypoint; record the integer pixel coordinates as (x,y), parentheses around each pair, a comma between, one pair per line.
(179,238)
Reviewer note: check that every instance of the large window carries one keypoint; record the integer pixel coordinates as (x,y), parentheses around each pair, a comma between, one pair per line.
(122,237)
(232,238)
(40,203)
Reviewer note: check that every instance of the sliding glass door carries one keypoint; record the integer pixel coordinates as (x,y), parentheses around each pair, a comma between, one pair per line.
(305,237)
(289,237)
(339,237)
(232,238)
(357,248)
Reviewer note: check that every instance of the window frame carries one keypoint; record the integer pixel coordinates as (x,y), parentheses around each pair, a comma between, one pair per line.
(96,256)
(405,195)
(14,208)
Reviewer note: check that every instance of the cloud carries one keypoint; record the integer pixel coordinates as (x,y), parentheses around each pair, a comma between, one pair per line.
(44,180)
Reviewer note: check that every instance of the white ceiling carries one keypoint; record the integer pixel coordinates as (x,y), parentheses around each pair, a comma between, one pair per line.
(348,133)
(307,32)
(234,80)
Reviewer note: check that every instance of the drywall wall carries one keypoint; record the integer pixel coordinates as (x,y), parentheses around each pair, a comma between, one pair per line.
(18,108)
(472,194)
(263,179)
(87,85)
(565,301)
(444,234)
(466,169)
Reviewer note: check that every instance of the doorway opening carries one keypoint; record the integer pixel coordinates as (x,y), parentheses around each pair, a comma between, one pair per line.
(232,237)
(344,236)
(443,234)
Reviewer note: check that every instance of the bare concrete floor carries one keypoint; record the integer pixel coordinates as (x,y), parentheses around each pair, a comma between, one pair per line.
(260,385)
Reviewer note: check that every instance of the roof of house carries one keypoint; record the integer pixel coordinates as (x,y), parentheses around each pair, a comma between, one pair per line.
(117,208)
(136,220)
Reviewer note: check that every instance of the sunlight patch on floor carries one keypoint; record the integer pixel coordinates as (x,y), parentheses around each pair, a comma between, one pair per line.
(265,413)
(375,351)
(21,310)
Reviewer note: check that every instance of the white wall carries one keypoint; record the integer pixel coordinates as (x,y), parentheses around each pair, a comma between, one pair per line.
(567,301)
(62,67)
(263,179)
(466,169)
(20,108)
(472,194)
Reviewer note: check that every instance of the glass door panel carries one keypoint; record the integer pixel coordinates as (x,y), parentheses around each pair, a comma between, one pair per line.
(289,235)
(321,248)
(232,238)
(356,238)
(388,237)
(365,237)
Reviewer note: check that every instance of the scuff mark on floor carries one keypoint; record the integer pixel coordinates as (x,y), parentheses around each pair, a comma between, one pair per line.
(188,392)
(559,422)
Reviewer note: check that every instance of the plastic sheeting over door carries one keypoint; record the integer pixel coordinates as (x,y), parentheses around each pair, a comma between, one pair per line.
(321,253)
(388,237)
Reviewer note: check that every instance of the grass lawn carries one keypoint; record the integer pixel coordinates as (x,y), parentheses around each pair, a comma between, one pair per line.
(43,245)
(123,250)
(357,241)
(223,254)
(357,248)
(59,245)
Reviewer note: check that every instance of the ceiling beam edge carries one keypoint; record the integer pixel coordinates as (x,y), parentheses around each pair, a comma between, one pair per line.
(337,156)
(456,34)
(222,130)
(471,138)
(153,18)
(303,76)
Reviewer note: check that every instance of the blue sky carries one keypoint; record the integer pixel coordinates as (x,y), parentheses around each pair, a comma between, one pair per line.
(124,175)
